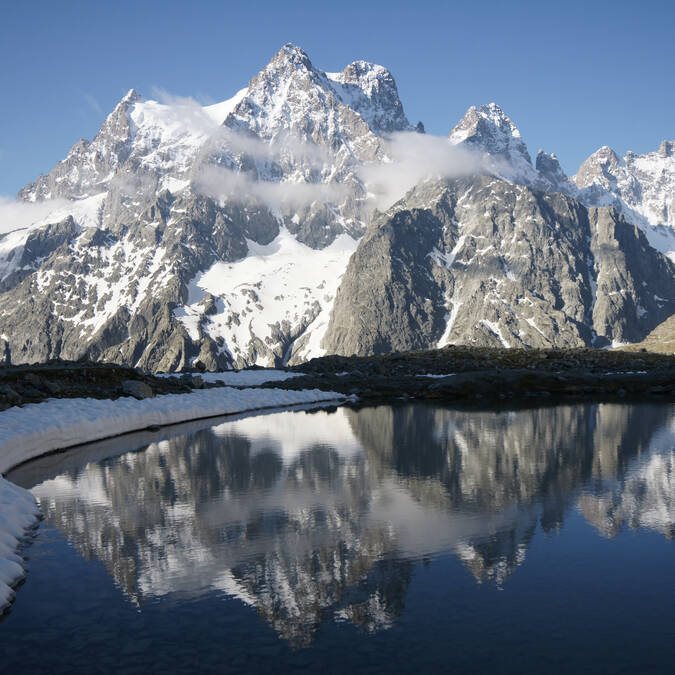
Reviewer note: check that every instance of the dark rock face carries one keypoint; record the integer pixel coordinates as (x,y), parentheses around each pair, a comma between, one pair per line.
(35,383)
(388,300)
(661,339)
(667,149)
(486,262)
(635,284)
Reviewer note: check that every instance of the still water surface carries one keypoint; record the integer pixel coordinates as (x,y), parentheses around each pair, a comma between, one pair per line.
(390,539)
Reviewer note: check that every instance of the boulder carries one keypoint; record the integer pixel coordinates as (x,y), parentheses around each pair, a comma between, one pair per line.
(137,389)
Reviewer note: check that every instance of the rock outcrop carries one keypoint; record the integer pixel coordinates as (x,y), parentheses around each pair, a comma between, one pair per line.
(487,262)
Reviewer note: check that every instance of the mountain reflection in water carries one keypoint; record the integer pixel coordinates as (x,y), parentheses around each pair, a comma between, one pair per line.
(313,517)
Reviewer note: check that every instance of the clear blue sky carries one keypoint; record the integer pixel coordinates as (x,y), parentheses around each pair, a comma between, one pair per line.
(572,75)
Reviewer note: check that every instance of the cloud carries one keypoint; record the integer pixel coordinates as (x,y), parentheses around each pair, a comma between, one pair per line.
(223,184)
(93,104)
(233,161)
(413,158)
(17,215)
(183,112)
(284,147)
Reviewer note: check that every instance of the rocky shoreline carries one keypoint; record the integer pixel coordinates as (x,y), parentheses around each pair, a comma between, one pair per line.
(453,373)
(458,373)
(66,379)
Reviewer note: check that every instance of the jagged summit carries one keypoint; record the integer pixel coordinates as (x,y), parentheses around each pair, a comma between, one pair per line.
(641,186)
(130,97)
(489,127)
(304,99)
(552,173)
(293,53)
(489,130)
(371,90)
(289,61)
(603,156)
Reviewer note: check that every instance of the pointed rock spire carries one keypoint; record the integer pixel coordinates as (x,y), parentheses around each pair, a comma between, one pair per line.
(490,129)
(602,168)
(131,96)
(552,174)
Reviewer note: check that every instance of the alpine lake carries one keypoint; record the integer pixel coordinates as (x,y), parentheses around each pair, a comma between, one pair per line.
(393,538)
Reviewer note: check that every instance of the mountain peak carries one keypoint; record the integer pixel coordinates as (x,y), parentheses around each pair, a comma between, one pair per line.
(292,54)
(601,168)
(364,72)
(639,185)
(131,96)
(371,90)
(495,114)
(490,128)
(548,162)
(605,153)
(290,63)
(291,95)
(549,169)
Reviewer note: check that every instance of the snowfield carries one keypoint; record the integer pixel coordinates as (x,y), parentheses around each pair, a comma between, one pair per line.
(282,283)
(38,428)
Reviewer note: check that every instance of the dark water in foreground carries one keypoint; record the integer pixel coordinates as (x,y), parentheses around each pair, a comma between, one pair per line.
(392,539)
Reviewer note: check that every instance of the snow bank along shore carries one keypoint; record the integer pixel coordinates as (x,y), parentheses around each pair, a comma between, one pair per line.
(38,428)
(18,514)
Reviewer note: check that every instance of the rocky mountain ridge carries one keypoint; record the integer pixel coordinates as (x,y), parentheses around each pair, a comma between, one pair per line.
(487,262)
(222,233)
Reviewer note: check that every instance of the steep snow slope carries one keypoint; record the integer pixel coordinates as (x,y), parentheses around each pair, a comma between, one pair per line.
(281,288)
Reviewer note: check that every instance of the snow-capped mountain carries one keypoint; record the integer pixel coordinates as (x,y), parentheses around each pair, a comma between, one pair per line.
(222,232)
(181,220)
(642,187)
